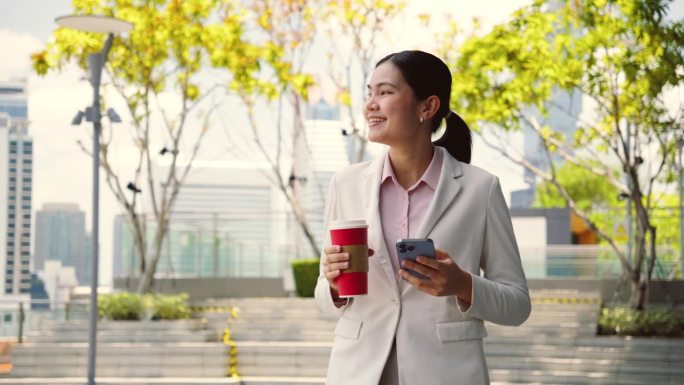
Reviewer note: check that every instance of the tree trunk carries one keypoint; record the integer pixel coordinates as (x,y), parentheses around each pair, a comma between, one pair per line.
(146,280)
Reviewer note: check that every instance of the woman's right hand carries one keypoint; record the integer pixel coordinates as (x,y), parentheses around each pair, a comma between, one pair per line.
(334,260)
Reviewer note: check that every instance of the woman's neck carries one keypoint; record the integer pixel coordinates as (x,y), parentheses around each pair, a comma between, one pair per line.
(409,164)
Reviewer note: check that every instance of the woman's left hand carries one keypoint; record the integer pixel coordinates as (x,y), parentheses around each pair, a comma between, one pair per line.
(444,276)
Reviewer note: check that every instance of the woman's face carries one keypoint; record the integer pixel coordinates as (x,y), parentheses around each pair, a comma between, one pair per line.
(392,111)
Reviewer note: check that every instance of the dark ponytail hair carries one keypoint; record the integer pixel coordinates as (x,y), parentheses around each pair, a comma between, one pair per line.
(427,75)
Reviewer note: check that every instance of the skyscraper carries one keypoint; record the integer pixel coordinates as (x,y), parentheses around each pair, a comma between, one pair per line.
(61,236)
(16,177)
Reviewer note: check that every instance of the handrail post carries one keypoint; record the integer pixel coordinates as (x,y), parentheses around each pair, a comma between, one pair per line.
(20,337)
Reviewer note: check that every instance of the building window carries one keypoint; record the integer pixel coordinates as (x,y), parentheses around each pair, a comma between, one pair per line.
(8,318)
(13,161)
(27,216)
(10,262)
(27,179)
(25,254)
(13,169)
(25,261)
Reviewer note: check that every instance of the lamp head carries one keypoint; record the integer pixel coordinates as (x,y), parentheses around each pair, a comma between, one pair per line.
(78,118)
(94,23)
(113,116)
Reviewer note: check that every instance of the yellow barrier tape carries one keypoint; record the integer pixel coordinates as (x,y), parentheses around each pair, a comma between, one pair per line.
(549,300)
(232,361)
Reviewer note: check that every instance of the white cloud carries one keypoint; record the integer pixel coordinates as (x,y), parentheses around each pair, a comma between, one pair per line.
(16,64)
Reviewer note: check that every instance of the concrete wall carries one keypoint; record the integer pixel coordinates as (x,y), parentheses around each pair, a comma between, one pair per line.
(661,292)
(205,288)
(558,230)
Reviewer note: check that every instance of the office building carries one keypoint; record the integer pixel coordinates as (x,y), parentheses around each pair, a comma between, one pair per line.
(222,224)
(16,177)
(61,236)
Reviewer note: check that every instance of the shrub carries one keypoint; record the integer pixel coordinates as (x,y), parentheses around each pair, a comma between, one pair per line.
(168,307)
(120,306)
(651,322)
(305,275)
(131,306)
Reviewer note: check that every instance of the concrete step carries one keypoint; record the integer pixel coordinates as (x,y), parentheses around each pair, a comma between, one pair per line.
(127,336)
(580,378)
(121,360)
(103,325)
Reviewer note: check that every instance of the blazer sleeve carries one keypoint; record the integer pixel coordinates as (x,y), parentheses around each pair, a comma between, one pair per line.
(500,295)
(322,293)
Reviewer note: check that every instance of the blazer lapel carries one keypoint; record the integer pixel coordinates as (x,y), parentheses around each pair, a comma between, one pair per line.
(371,200)
(448,187)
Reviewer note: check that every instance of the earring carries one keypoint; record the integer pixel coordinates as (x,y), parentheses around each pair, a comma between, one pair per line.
(421,119)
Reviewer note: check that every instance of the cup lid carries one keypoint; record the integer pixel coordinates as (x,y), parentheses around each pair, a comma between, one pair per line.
(348,224)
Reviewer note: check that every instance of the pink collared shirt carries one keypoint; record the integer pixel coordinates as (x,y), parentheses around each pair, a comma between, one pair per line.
(402,211)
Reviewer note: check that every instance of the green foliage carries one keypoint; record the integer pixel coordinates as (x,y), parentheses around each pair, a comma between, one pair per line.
(120,306)
(132,306)
(305,275)
(651,322)
(624,56)
(590,191)
(168,307)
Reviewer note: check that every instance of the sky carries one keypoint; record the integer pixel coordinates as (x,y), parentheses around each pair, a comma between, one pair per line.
(63,173)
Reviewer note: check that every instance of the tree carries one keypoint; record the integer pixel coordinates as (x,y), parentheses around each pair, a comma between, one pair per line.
(362,21)
(171,42)
(621,54)
(289,27)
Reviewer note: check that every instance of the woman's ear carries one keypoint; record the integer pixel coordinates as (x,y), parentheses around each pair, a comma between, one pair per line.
(430,107)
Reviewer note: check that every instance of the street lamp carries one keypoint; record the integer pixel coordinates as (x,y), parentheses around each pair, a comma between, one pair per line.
(96,61)
(680,144)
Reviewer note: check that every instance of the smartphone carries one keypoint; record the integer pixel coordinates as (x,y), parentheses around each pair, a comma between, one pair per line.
(412,248)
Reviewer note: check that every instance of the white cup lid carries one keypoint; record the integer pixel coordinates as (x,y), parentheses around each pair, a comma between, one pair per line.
(348,224)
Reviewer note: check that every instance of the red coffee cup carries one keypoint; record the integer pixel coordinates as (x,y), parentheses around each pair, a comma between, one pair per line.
(352,237)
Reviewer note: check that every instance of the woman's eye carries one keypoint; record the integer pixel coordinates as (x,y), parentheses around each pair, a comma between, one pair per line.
(385,92)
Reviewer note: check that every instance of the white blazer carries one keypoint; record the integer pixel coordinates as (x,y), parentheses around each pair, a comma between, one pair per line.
(438,340)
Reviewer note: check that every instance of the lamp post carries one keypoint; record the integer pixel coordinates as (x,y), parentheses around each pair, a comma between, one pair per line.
(680,144)
(96,61)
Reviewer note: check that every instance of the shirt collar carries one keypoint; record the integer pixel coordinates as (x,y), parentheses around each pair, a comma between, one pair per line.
(430,177)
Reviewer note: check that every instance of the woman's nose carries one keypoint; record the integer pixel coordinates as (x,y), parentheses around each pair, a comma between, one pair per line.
(371,105)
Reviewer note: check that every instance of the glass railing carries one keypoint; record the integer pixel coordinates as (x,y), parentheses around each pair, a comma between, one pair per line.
(590,262)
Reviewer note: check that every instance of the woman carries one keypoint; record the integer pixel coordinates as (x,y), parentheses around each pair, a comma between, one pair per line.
(407,330)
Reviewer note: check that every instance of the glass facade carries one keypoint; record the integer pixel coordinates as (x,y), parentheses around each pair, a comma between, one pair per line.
(17,170)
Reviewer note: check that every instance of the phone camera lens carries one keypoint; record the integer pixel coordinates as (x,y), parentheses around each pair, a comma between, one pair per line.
(410,248)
